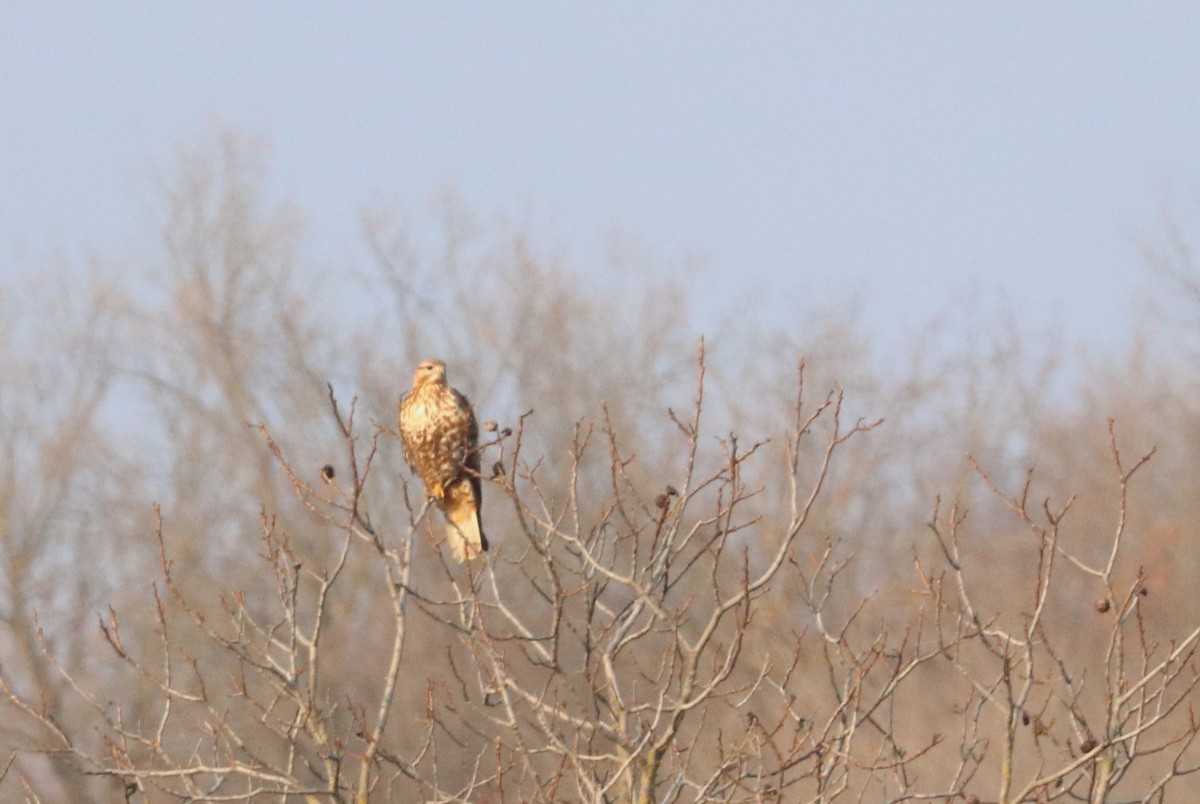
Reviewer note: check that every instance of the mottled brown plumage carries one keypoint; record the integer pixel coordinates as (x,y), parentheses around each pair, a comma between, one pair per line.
(440,438)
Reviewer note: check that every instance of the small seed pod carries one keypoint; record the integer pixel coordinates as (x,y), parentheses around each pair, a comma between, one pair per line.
(506,432)
(1102,605)
(1142,591)
(327,472)
(1088,746)
(660,501)
(497,469)
(672,491)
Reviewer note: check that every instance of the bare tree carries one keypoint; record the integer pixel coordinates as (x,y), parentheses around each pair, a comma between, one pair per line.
(628,645)
(707,583)
(60,474)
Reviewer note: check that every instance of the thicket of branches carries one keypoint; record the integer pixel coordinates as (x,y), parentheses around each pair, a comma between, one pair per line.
(720,571)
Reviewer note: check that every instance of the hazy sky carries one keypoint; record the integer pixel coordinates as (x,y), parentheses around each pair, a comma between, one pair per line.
(918,153)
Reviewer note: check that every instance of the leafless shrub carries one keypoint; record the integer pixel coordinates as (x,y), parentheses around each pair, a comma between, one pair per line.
(645,640)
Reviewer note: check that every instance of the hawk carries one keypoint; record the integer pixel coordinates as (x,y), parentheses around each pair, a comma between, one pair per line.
(440,439)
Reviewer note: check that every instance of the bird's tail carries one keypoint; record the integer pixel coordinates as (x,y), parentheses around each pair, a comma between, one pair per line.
(464,532)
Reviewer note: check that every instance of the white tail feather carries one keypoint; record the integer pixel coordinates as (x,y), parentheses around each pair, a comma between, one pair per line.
(463,534)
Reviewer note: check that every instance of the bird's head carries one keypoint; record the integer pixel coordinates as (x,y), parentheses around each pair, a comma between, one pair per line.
(430,371)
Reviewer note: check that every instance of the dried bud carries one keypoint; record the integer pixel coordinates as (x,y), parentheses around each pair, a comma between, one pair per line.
(497,469)
(490,426)
(971,799)
(506,432)
(660,501)
(1102,605)
(1142,591)
(672,491)
(491,695)
(327,472)
(1088,746)
(1025,718)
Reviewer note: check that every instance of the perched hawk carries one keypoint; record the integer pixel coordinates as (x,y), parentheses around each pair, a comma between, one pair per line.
(440,438)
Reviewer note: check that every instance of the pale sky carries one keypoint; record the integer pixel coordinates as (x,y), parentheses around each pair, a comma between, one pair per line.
(915,154)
